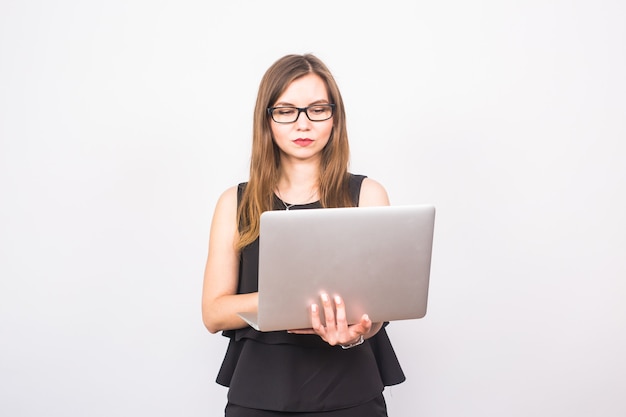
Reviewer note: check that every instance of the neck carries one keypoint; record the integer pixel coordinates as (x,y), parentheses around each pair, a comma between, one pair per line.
(298,182)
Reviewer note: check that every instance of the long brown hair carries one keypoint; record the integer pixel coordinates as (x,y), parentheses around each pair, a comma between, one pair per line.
(265,160)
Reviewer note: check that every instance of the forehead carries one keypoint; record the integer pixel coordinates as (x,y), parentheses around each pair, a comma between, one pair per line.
(304,90)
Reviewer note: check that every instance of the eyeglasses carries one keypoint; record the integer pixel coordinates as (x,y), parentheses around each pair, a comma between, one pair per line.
(315,113)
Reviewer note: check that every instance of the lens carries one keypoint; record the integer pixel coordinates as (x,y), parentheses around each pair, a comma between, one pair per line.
(319,113)
(285,114)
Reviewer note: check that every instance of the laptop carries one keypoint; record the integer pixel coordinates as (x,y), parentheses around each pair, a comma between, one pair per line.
(377,258)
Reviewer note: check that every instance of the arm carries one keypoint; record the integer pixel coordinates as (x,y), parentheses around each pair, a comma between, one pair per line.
(220,301)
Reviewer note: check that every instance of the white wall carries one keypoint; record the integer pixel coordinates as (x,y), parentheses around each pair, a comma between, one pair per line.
(121,122)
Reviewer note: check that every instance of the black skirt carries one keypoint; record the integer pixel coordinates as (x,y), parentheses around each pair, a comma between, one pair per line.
(373,408)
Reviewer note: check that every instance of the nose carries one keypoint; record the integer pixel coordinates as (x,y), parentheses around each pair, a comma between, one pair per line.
(302,121)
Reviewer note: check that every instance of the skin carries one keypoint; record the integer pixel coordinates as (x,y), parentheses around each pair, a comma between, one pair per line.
(297,184)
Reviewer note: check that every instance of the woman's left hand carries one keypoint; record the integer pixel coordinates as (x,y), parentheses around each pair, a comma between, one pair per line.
(335,330)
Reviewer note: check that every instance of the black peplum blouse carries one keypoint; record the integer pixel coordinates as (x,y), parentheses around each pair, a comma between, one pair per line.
(295,373)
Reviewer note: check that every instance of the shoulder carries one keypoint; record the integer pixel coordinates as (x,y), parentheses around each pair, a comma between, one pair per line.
(224,223)
(230,193)
(373,194)
(227,202)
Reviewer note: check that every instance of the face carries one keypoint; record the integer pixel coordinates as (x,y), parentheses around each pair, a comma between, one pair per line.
(302,139)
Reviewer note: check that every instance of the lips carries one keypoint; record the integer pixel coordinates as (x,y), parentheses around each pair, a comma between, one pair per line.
(303,141)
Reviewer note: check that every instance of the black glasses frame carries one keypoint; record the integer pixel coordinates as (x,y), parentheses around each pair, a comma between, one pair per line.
(270,111)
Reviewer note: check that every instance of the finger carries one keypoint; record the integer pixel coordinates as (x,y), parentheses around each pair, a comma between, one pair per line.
(362,327)
(328,313)
(366,323)
(301,331)
(316,323)
(342,322)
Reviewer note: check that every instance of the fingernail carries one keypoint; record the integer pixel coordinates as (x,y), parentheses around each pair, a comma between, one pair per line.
(314,308)
(337,299)
(324,297)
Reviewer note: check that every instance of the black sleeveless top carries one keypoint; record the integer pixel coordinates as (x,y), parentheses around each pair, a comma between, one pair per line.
(289,372)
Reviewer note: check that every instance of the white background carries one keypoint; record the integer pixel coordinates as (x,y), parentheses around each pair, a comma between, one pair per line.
(121,122)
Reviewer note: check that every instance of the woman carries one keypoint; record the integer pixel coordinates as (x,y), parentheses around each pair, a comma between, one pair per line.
(299,161)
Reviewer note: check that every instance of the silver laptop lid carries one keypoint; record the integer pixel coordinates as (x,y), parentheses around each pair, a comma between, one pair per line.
(377,258)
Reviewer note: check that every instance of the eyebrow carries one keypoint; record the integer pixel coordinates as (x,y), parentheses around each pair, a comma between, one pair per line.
(286,104)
